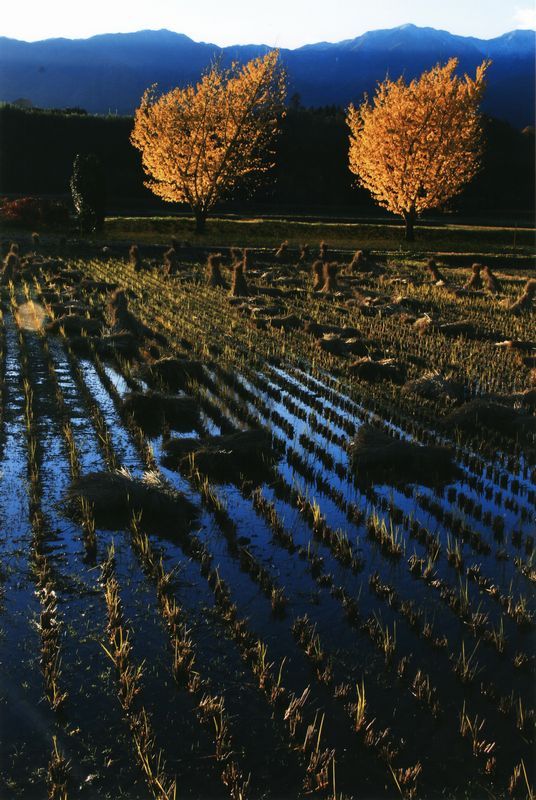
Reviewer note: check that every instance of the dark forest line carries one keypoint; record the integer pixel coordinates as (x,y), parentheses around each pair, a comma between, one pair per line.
(37,149)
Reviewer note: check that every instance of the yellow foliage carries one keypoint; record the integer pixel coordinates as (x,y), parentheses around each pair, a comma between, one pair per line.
(198,142)
(417,144)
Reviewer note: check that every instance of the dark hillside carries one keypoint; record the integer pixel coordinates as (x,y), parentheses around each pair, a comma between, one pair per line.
(108,73)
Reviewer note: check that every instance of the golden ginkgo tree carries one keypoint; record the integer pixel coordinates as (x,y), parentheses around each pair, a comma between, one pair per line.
(199,142)
(416,145)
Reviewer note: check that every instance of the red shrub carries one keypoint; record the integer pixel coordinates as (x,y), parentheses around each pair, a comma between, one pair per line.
(34,212)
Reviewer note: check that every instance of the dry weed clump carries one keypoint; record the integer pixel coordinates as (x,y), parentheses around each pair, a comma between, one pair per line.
(318,275)
(75,325)
(171,261)
(475,280)
(525,301)
(434,386)
(239,286)
(343,346)
(435,274)
(123,344)
(122,319)
(281,251)
(115,496)
(375,455)
(134,257)
(318,330)
(495,416)
(290,322)
(387,369)
(359,262)
(490,281)
(330,277)
(223,458)
(152,410)
(241,256)
(172,373)
(428,324)
(304,253)
(214,276)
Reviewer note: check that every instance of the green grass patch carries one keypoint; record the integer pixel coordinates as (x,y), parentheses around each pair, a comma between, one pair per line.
(377,236)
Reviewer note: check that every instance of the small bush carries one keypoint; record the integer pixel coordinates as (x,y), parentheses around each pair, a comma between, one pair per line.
(88,191)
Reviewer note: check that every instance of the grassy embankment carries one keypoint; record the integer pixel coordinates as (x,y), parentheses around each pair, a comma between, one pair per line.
(271,232)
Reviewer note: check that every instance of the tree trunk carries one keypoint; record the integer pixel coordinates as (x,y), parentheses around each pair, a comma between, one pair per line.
(410,218)
(200,219)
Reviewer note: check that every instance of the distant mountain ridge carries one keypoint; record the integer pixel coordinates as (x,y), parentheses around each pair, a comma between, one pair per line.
(109,72)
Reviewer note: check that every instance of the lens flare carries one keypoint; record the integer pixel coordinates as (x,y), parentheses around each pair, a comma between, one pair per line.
(31,316)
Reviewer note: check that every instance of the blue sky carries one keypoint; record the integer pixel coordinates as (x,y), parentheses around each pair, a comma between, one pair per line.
(281,23)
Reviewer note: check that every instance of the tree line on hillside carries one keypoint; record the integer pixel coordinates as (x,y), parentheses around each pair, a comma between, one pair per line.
(38,148)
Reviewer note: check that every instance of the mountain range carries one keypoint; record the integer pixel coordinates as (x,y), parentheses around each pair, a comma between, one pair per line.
(108,73)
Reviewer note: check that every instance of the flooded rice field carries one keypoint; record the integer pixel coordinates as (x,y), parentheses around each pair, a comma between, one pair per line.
(275,544)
